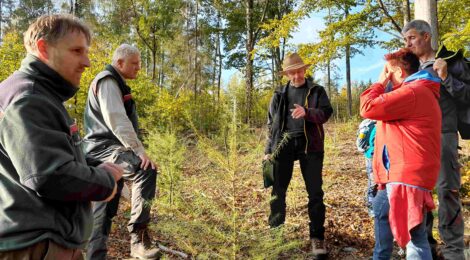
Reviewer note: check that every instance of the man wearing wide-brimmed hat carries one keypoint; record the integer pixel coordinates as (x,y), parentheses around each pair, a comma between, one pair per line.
(299,110)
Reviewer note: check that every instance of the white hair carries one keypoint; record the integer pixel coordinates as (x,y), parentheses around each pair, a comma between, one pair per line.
(123,51)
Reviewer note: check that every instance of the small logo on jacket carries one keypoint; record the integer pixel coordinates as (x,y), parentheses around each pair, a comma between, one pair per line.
(73,129)
(127,97)
(74,133)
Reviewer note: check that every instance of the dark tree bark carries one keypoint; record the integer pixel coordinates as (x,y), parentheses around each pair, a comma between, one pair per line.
(249,60)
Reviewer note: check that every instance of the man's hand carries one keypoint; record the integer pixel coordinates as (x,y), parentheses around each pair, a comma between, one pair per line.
(298,112)
(267,157)
(440,66)
(385,75)
(146,162)
(115,170)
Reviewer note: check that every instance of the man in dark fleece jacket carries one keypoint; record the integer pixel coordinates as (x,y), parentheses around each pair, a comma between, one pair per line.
(46,187)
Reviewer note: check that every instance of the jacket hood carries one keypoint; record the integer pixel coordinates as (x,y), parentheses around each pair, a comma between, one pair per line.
(427,80)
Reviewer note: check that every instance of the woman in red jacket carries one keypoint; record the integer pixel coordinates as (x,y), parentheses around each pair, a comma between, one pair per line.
(407,153)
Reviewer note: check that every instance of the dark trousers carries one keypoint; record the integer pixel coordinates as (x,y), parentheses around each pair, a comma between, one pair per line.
(311,165)
(451,224)
(143,192)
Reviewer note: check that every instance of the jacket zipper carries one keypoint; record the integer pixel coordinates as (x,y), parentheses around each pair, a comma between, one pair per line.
(305,129)
(283,115)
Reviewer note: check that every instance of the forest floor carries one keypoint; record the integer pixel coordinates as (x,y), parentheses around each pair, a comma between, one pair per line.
(224,215)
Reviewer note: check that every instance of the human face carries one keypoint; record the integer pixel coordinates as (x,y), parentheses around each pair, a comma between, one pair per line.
(419,44)
(296,77)
(129,66)
(69,57)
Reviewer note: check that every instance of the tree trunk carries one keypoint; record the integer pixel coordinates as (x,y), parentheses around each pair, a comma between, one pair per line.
(219,76)
(427,10)
(1,18)
(77,9)
(159,68)
(188,32)
(348,69)
(218,55)
(214,63)
(154,63)
(348,79)
(71,11)
(196,67)
(277,65)
(249,61)
(406,11)
(147,63)
(328,79)
(162,62)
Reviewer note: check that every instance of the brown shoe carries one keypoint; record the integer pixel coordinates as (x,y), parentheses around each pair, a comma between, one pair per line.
(142,246)
(318,248)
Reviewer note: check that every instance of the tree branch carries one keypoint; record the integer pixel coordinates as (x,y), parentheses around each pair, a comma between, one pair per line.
(255,35)
(137,26)
(394,23)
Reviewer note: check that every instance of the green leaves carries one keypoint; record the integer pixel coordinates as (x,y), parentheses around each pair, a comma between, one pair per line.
(11,54)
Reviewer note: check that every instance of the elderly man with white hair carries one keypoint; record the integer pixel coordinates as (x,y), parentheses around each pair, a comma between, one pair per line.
(111,127)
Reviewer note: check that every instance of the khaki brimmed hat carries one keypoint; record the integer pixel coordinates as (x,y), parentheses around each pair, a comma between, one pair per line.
(293,62)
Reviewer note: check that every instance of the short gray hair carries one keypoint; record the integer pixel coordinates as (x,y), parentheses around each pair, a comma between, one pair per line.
(51,28)
(420,26)
(123,51)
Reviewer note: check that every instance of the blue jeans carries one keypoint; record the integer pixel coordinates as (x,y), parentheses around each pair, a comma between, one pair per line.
(371,190)
(418,247)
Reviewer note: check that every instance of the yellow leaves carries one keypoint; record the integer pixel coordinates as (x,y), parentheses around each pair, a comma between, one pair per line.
(11,54)
(280,28)
(458,39)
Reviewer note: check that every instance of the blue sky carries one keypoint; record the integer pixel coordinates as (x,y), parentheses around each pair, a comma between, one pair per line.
(363,67)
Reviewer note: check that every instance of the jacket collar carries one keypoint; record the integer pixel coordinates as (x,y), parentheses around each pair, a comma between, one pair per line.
(119,78)
(49,78)
(422,74)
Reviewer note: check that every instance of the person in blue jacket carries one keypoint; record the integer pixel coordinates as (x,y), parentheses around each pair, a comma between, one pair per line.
(365,143)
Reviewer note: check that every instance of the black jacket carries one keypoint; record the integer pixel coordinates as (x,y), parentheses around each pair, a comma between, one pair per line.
(45,185)
(318,110)
(455,93)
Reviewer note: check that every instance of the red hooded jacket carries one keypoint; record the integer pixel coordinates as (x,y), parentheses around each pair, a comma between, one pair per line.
(407,144)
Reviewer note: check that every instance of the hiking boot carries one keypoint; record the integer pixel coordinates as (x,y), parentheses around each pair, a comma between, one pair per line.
(142,246)
(318,248)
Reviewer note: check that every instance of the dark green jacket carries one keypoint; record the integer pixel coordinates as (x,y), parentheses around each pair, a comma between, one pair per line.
(45,185)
